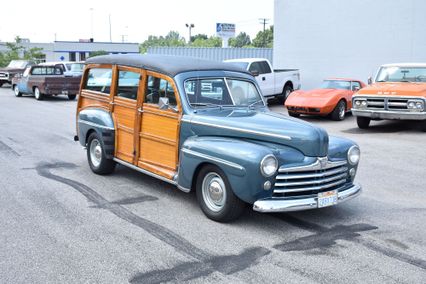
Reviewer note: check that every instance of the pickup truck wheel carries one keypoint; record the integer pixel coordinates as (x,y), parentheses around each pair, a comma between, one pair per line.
(423,125)
(284,95)
(293,114)
(1,84)
(363,122)
(96,157)
(339,111)
(215,195)
(37,94)
(16,91)
(72,97)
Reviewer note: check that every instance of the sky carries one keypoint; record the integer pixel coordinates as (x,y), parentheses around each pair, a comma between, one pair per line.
(133,21)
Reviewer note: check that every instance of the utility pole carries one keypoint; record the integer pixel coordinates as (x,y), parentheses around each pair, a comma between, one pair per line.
(189,26)
(264,22)
(91,23)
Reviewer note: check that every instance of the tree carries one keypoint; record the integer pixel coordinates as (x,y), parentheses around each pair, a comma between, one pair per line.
(97,53)
(241,40)
(15,51)
(173,38)
(264,38)
(34,54)
(199,36)
(210,42)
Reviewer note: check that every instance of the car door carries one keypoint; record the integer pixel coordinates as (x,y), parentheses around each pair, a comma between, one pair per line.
(23,81)
(265,79)
(124,110)
(159,116)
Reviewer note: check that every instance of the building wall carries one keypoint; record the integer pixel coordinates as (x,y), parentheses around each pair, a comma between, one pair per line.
(215,54)
(351,38)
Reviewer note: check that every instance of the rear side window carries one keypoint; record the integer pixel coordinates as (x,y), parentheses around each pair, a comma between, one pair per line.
(264,67)
(128,84)
(49,70)
(99,80)
(157,88)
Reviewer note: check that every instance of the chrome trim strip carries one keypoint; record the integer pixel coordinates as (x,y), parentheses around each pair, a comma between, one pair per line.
(387,114)
(321,187)
(211,158)
(95,124)
(239,129)
(144,171)
(286,205)
(315,175)
(360,96)
(311,182)
(313,167)
(184,189)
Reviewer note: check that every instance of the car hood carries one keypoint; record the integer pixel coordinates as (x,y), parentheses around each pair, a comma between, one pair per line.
(400,89)
(314,98)
(263,125)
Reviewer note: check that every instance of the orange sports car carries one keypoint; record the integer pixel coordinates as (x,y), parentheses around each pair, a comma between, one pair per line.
(333,98)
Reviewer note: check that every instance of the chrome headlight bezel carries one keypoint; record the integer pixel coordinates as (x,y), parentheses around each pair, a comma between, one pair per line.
(415,105)
(360,103)
(354,152)
(267,161)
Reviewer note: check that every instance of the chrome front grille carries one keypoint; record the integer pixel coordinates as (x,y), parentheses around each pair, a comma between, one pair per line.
(320,176)
(4,75)
(378,103)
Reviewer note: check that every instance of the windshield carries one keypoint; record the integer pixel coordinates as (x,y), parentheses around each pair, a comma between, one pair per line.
(336,84)
(17,64)
(77,67)
(401,74)
(222,92)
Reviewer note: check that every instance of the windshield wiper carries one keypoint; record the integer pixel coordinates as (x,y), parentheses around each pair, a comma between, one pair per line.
(206,104)
(254,103)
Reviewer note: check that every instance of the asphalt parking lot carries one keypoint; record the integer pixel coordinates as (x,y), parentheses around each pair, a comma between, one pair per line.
(60,223)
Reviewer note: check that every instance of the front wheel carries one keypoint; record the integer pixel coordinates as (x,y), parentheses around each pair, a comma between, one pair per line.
(37,94)
(215,195)
(72,97)
(339,111)
(96,157)
(363,122)
(16,91)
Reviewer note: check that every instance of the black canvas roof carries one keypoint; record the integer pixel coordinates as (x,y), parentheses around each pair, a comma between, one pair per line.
(166,64)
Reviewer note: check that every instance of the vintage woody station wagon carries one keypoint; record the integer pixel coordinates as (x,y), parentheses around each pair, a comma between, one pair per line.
(204,126)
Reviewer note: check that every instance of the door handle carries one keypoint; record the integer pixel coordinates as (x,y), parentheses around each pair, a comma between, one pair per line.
(263,78)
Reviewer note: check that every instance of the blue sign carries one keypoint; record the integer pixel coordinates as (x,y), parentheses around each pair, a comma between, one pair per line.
(62,58)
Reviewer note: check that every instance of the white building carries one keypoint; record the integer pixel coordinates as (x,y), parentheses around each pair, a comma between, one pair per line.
(77,50)
(350,38)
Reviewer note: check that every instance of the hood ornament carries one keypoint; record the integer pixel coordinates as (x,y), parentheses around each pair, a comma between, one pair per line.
(323,161)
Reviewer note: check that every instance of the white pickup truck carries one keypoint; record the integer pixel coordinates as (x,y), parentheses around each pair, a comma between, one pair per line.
(273,83)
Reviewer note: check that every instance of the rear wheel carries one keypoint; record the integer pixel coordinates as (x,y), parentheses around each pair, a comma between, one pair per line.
(284,95)
(96,157)
(16,91)
(72,97)
(215,195)
(339,111)
(363,122)
(37,94)
(1,84)
(293,114)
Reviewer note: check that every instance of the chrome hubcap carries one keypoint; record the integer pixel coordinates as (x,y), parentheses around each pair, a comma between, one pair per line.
(214,191)
(16,90)
(342,111)
(95,152)
(287,93)
(37,93)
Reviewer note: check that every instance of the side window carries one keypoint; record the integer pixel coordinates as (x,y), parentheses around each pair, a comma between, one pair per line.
(99,80)
(255,66)
(36,71)
(264,67)
(128,84)
(157,88)
(356,85)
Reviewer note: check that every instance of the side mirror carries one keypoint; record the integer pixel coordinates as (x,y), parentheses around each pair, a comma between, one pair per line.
(255,73)
(355,89)
(163,103)
(370,80)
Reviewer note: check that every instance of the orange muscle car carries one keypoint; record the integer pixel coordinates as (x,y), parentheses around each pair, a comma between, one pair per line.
(333,98)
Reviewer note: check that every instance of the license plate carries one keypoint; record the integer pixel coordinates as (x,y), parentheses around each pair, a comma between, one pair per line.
(327,198)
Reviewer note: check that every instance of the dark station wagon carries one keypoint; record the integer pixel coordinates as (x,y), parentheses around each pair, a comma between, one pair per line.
(205,126)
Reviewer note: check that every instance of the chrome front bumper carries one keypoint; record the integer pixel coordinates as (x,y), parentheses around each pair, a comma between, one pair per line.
(386,114)
(281,205)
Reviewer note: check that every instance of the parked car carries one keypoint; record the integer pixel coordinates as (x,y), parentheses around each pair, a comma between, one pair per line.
(272,82)
(398,92)
(45,80)
(333,98)
(70,68)
(222,141)
(14,67)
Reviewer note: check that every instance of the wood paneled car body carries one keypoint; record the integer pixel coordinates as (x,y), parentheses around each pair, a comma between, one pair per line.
(333,98)
(204,126)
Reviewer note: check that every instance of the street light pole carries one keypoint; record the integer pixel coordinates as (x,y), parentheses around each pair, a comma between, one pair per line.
(189,26)
(91,23)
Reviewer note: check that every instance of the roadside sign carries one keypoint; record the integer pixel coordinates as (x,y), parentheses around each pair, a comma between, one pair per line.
(225,29)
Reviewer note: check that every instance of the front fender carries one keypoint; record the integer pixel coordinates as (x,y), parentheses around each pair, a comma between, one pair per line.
(239,159)
(98,120)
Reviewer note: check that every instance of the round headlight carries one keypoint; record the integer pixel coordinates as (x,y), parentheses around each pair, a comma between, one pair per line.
(419,105)
(353,155)
(411,104)
(268,165)
(364,103)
